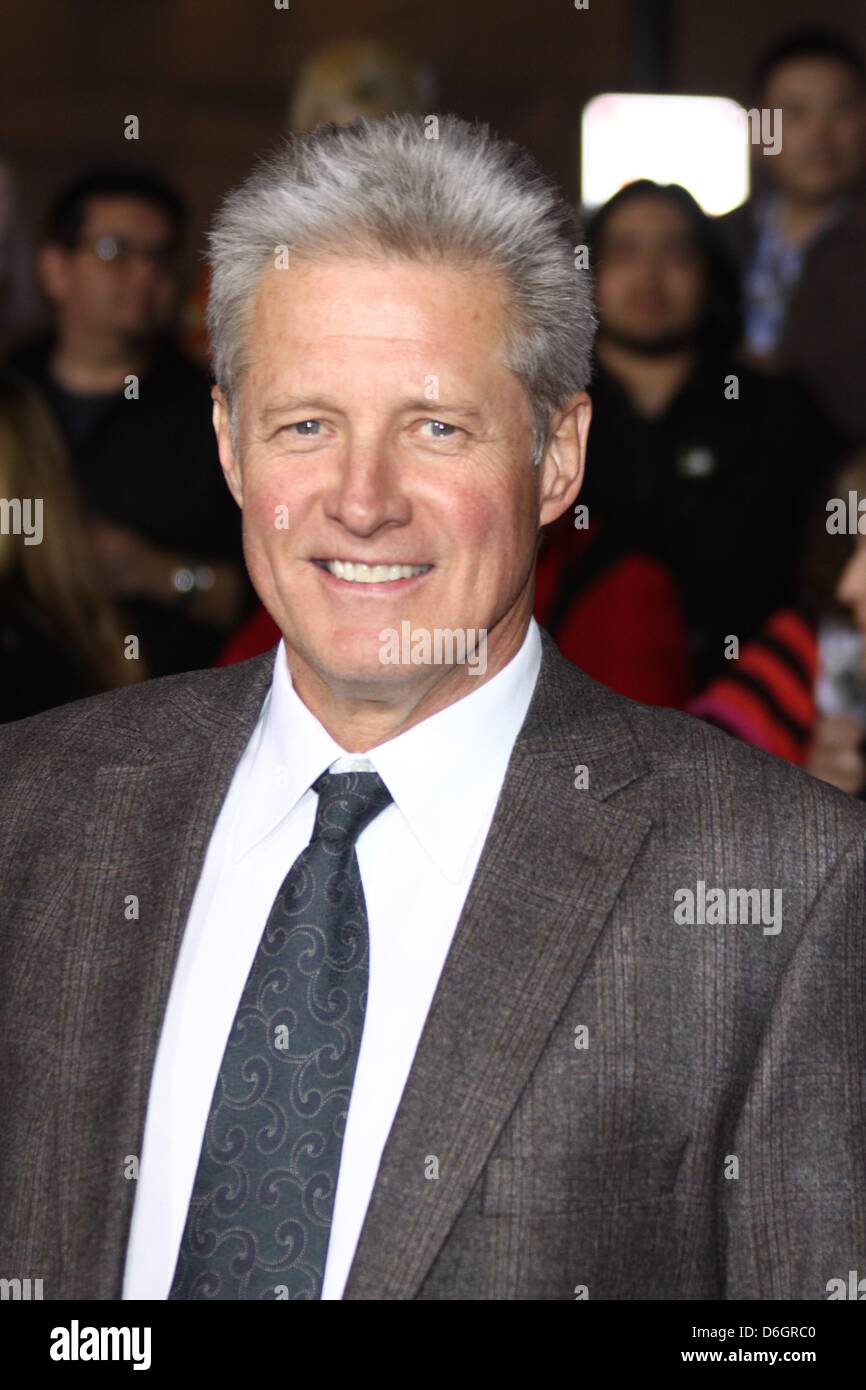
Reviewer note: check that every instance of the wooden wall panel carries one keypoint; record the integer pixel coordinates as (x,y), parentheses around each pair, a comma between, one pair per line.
(209,78)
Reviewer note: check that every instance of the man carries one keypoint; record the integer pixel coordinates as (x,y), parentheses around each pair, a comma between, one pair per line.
(707,465)
(801,240)
(134,413)
(557,1089)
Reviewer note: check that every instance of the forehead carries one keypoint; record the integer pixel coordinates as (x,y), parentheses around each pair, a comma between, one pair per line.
(647,219)
(818,75)
(379,302)
(121,213)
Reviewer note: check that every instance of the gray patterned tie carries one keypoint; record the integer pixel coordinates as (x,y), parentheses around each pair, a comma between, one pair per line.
(259,1219)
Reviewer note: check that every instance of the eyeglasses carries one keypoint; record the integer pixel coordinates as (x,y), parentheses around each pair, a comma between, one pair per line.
(117,251)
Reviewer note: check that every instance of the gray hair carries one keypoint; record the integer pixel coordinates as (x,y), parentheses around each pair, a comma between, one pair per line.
(429,189)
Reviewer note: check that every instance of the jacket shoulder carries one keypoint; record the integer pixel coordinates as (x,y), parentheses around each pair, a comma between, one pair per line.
(700,763)
(686,770)
(134,724)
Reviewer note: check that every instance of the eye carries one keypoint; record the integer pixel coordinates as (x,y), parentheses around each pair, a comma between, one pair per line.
(441,425)
(303,432)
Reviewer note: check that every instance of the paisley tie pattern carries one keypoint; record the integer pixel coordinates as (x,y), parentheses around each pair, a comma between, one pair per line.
(259,1219)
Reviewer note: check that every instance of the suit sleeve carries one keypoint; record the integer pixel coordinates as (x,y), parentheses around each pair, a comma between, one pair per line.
(793,1221)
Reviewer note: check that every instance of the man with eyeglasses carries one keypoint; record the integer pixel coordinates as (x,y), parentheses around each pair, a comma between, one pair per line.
(135,414)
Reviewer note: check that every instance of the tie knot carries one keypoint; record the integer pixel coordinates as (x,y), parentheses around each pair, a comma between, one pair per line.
(348,801)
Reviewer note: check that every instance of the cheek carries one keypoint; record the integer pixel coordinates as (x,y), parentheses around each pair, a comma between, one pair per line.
(274,502)
(687,288)
(850,140)
(608,290)
(795,136)
(491,524)
(90,289)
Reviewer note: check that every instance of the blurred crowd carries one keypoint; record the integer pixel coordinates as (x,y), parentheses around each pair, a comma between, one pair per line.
(699,568)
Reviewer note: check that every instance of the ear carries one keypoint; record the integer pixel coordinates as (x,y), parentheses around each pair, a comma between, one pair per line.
(564,461)
(229,463)
(51,272)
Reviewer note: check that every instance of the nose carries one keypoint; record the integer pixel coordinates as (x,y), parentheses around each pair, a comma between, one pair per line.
(367,491)
(141,271)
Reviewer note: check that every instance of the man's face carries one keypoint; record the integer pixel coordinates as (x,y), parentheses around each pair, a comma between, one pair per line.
(133,294)
(650,280)
(823,128)
(379,426)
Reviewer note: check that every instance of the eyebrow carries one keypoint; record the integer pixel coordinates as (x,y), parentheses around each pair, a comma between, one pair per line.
(292,403)
(449,407)
(296,403)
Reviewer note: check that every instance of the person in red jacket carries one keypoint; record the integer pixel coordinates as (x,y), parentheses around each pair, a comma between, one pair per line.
(612,611)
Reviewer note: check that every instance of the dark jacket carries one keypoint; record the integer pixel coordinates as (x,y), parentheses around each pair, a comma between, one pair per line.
(619,1102)
(824,334)
(152,465)
(719,490)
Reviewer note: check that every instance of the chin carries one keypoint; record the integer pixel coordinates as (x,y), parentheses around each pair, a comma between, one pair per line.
(347,660)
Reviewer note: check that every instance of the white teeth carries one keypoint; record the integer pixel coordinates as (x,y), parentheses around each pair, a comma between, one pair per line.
(371,574)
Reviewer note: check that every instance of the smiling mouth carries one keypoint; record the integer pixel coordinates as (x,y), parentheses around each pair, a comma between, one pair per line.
(355,572)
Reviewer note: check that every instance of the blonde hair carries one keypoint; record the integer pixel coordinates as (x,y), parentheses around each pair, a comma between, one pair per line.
(369,77)
(59,574)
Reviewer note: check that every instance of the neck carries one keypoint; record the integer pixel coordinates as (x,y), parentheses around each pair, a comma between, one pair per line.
(799,220)
(361,722)
(650,382)
(90,363)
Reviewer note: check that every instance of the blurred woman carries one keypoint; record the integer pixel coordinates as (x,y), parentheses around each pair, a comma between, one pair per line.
(798,688)
(837,752)
(59,635)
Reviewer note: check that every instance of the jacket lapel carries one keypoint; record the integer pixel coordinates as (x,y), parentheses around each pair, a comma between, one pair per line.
(553,864)
(147,839)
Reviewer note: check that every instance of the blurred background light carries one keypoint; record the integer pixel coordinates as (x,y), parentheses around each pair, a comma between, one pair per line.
(699,142)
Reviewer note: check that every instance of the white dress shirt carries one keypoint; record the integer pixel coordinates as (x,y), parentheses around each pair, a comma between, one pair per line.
(417,860)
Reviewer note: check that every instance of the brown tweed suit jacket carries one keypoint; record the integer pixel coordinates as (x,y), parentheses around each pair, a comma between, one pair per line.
(622,1106)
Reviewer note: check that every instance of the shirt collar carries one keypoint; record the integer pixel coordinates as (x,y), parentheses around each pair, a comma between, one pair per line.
(444,774)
